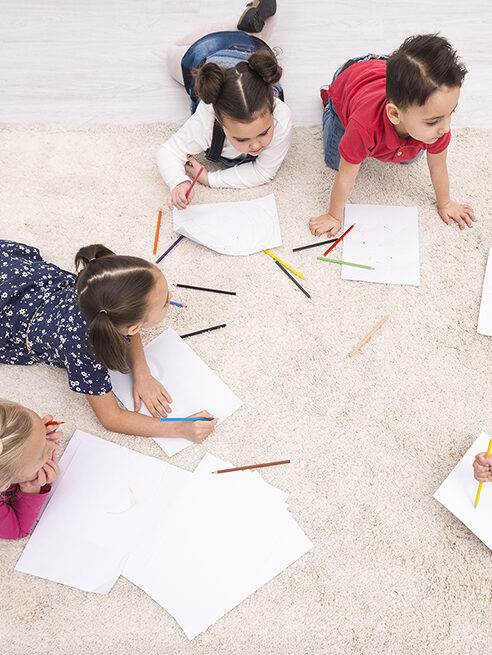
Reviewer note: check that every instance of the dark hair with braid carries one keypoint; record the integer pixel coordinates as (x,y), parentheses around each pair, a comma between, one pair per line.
(111,293)
(419,67)
(243,91)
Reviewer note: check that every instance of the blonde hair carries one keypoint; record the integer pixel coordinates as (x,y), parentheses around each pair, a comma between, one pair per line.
(15,428)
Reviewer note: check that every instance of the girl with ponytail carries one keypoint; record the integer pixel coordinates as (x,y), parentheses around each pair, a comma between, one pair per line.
(88,324)
(238,115)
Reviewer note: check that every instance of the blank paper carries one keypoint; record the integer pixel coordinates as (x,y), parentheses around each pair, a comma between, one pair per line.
(102,505)
(193,386)
(485,316)
(458,491)
(232,228)
(385,238)
(234,536)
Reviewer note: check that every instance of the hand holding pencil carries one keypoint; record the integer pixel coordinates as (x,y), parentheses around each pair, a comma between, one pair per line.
(482,467)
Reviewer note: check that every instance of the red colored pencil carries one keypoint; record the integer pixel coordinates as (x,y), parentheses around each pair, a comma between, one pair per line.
(54,422)
(157,231)
(331,247)
(194,182)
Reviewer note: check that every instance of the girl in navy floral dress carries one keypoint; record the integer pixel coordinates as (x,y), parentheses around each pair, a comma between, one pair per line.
(89,323)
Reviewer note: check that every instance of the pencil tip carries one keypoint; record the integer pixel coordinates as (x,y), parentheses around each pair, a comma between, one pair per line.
(214,472)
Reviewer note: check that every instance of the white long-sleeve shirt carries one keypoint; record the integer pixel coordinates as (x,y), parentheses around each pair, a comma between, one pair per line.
(195,136)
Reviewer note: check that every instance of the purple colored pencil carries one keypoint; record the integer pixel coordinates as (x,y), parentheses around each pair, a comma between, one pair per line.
(170,248)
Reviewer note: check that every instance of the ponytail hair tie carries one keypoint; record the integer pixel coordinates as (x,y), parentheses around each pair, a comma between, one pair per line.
(92,259)
(103,311)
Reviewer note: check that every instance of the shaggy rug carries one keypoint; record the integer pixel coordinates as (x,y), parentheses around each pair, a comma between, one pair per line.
(370,438)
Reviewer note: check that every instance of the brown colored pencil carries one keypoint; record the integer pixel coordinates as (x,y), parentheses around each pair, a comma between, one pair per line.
(366,339)
(157,230)
(253,466)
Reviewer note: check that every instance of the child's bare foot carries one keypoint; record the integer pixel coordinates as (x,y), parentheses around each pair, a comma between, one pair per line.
(324,223)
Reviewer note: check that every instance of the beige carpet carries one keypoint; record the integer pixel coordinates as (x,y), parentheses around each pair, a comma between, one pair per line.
(370,438)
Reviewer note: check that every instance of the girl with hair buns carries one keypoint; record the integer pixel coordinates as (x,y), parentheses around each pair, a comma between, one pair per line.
(238,115)
(28,466)
(88,324)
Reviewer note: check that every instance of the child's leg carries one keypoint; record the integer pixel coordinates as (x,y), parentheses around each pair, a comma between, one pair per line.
(333,131)
(176,51)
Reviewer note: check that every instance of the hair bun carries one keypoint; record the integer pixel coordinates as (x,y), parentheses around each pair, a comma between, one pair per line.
(209,80)
(88,253)
(264,63)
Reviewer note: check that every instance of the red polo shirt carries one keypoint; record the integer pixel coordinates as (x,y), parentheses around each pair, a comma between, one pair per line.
(359,98)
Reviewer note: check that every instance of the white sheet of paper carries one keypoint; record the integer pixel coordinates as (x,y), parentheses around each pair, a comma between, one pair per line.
(234,536)
(232,228)
(384,237)
(485,316)
(193,386)
(102,505)
(458,491)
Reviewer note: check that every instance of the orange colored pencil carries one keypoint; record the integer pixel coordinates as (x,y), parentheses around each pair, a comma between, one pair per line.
(253,466)
(157,231)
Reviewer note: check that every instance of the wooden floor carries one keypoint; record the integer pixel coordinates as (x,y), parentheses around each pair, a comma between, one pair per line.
(101,61)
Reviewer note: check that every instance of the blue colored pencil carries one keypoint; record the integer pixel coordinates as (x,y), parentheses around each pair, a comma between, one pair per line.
(177,304)
(194,418)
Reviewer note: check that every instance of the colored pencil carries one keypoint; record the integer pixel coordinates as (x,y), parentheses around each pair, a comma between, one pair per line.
(191,418)
(54,422)
(292,278)
(366,339)
(157,230)
(313,245)
(190,286)
(253,466)
(479,490)
(338,261)
(170,248)
(192,334)
(194,182)
(331,247)
(177,304)
(284,264)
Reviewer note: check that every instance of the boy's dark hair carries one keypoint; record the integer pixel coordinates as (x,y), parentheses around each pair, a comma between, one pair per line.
(242,91)
(111,293)
(419,66)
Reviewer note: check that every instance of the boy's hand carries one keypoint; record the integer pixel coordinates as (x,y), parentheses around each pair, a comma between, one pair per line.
(454,211)
(482,467)
(325,223)
(192,167)
(177,198)
(151,391)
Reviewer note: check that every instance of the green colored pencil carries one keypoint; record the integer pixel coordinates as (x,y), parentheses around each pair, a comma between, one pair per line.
(337,261)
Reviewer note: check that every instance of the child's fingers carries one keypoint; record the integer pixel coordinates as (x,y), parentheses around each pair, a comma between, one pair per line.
(163,403)
(137,403)
(166,395)
(47,418)
(170,202)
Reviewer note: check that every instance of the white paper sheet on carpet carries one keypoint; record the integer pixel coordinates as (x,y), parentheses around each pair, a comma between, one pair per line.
(458,491)
(103,504)
(485,316)
(235,535)
(232,228)
(385,237)
(193,386)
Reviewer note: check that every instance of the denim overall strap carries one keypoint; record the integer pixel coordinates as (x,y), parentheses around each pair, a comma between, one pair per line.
(214,153)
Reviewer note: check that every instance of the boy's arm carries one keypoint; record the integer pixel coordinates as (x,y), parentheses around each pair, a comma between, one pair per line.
(344,181)
(447,208)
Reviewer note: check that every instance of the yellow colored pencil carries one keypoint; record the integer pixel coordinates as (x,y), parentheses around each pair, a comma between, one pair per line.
(284,264)
(479,490)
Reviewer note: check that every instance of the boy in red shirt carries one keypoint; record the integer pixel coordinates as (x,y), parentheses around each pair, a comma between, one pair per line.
(393,108)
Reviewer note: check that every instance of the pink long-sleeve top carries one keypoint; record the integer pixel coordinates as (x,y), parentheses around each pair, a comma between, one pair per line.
(19,511)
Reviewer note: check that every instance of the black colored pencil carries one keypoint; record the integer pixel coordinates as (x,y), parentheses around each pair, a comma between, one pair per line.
(192,334)
(313,245)
(190,286)
(293,279)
